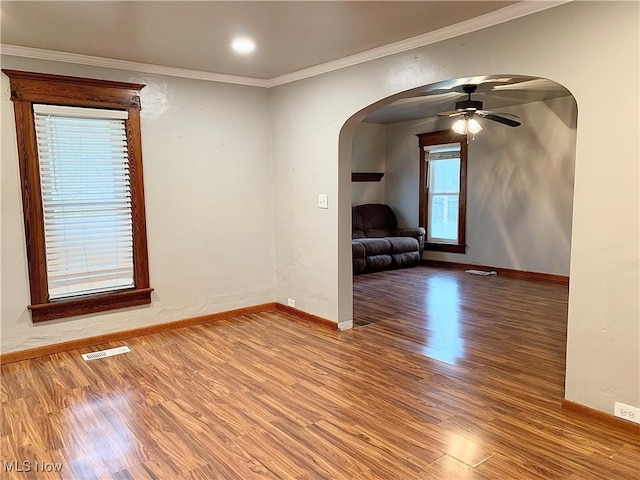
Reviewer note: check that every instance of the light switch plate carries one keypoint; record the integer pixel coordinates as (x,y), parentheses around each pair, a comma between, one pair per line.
(323,200)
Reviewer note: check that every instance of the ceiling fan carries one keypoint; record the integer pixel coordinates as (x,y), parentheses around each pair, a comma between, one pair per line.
(469,109)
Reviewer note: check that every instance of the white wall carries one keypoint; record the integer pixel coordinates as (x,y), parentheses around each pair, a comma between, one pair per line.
(368,156)
(209,200)
(592,48)
(519,186)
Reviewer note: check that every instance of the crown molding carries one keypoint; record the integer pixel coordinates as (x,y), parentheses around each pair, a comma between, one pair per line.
(76,58)
(506,14)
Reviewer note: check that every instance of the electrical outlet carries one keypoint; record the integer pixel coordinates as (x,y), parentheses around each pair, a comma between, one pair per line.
(291,302)
(627,412)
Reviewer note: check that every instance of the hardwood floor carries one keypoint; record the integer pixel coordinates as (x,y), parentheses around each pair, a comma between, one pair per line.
(459,377)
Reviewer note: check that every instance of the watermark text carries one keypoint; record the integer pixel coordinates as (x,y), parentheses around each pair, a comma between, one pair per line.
(25,466)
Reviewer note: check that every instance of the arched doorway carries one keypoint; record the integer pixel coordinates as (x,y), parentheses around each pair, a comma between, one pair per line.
(520,187)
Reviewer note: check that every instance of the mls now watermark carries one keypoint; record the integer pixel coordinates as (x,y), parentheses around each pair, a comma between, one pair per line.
(29,466)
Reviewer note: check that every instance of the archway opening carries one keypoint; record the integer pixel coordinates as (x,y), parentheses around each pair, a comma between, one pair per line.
(519,188)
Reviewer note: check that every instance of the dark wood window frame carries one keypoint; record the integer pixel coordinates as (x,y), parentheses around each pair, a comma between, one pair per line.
(28,88)
(437,138)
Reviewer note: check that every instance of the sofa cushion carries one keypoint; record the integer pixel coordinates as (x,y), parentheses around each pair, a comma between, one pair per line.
(377,233)
(358,234)
(376,246)
(357,222)
(378,262)
(403,244)
(407,259)
(359,264)
(373,216)
(357,250)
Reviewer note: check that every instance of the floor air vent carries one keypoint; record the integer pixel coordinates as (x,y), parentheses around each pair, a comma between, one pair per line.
(105,353)
(482,272)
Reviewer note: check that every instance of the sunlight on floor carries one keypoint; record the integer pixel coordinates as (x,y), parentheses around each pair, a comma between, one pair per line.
(442,302)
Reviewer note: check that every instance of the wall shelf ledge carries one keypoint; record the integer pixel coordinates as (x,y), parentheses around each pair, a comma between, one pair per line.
(366,176)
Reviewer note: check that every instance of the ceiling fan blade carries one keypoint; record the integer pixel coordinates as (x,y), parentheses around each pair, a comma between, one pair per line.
(502,114)
(500,118)
(505,121)
(453,113)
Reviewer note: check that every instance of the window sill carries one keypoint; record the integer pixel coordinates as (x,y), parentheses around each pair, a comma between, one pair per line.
(445,247)
(89,304)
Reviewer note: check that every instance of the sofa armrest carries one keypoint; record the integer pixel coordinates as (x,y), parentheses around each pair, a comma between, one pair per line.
(415,232)
(410,232)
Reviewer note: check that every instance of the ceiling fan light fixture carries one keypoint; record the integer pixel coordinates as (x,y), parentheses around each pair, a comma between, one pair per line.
(460,126)
(468,109)
(467,125)
(473,126)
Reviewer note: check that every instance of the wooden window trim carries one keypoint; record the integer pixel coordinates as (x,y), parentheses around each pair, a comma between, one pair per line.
(436,138)
(28,88)
(445,247)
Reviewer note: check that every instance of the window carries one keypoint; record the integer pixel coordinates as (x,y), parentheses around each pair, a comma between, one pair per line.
(443,169)
(443,192)
(81,172)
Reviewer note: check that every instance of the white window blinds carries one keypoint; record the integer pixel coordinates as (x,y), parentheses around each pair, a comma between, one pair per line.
(442,152)
(84,174)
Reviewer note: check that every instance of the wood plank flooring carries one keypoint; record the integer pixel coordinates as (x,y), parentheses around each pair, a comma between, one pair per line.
(458,377)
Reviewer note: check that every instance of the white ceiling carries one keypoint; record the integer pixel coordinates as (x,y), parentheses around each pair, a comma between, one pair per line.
(290,35)
(294,39)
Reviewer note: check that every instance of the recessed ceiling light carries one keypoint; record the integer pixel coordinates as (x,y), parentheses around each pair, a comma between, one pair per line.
(243,45)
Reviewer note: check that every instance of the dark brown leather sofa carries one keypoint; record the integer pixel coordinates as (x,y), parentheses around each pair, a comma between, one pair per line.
(378,244)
